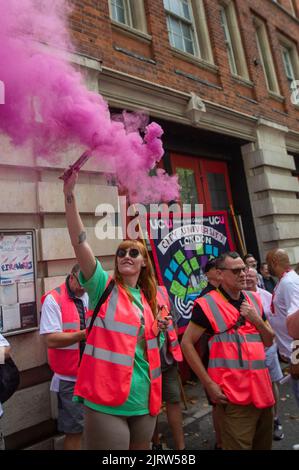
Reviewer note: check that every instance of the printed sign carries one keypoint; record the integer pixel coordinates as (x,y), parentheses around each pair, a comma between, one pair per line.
(181,250)
(17,281)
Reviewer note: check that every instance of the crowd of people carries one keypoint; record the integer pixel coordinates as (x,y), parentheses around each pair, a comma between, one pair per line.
(113,347)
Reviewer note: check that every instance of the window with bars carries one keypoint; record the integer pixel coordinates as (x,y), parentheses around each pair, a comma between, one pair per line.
(180,26)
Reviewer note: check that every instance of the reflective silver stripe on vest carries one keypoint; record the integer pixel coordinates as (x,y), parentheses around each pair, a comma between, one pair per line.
(174,343)
(152,343)
(231,338)
(162,293)
(72,347)
(235,364)
(70,326)
(254,338)
(117,327)
(111,309)
(155,373)
(254,301)
(109,322)
(109,356)
(216,312)
(170,327)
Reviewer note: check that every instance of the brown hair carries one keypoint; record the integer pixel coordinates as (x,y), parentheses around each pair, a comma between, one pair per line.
(146,280)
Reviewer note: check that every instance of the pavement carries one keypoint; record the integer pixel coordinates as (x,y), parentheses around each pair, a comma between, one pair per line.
(198,426)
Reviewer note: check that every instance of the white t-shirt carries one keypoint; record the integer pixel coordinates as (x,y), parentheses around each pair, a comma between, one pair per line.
(286,302)
(51,322)
(266,299)
(3,344)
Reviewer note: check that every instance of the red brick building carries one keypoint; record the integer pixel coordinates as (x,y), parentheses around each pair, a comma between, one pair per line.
(217,75)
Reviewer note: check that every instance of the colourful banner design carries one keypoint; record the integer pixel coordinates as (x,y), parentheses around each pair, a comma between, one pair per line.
(181,248)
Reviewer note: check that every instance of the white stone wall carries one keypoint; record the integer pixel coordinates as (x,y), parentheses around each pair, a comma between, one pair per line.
(272,189)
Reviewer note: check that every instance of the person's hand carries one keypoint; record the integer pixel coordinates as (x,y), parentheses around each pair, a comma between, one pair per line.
(216,394)
(163,322)
(249,312)
(69,185)
(82,335)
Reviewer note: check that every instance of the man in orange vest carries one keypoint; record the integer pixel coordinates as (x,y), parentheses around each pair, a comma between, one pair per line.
(237,379)
(63,326)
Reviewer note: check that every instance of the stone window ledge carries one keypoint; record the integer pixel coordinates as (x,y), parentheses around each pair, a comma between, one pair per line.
(195,60)
(276,96)
(131,32)
(243,81)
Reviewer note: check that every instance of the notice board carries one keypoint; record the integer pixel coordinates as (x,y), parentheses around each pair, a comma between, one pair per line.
(18,307)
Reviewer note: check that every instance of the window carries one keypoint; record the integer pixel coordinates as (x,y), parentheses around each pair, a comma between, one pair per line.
(130,13)
(187,28)
(180,26)
(288,66)
(290,61)
(120,11)
(233,41)
(266,56)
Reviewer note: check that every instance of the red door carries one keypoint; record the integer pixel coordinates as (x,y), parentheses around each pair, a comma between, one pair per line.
(216,185)
(204,182)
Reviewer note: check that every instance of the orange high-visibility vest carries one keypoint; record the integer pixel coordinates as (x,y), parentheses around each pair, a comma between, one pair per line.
(65,361)
(237,356)
(173,342)
(106,367)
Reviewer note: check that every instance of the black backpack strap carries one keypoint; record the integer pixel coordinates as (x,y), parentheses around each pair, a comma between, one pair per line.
(102,299)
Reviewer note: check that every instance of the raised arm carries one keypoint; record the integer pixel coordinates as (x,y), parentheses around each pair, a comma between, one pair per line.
(76,229)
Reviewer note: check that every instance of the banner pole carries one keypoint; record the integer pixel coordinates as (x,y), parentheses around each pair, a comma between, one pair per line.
(237,230)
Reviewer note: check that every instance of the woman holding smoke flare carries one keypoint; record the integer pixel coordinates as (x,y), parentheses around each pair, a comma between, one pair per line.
(119,379)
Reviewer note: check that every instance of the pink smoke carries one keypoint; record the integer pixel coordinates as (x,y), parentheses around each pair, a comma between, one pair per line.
(47,102)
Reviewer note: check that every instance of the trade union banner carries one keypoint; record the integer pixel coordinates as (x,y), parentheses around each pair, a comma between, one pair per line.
(181,246)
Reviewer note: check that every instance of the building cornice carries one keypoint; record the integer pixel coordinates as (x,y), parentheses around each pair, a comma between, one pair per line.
(125,91)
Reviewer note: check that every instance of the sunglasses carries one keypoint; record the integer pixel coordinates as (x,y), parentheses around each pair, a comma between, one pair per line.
(235,271)
(133,252)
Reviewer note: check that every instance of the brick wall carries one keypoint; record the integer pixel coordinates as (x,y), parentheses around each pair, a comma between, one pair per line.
(96,36)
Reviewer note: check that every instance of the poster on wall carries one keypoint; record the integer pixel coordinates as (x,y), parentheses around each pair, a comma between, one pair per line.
(181,248)
(18,310)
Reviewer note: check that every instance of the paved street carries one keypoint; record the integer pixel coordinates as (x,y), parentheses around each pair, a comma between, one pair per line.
(198,427)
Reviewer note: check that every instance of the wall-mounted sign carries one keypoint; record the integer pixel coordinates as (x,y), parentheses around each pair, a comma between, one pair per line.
(18,309)
(181,249)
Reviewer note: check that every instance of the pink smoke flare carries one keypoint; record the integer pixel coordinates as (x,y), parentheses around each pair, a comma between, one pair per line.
(47,102)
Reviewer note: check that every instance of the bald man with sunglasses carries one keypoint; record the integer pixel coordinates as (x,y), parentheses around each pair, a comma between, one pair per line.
(237,379)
